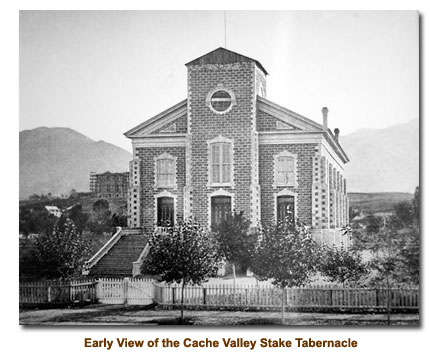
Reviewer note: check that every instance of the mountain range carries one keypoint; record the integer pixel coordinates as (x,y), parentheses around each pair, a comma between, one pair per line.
(57,160)
(383,160)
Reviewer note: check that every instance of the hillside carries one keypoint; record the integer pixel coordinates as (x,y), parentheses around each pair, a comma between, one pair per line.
(383,160)
(57,160)
(377,202)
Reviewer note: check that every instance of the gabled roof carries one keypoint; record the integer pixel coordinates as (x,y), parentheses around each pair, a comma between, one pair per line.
(301,122)
(286,115)
(224,56)
(159,120)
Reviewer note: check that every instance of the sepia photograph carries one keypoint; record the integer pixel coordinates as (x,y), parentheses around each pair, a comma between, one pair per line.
(219,168)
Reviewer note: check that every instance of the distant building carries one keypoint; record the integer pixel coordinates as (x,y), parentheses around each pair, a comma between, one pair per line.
(109,185)
(54,210)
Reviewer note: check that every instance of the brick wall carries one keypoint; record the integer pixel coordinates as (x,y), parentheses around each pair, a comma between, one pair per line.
(265,122)
(237,124)
(181,125)
(147,181)
(305,154)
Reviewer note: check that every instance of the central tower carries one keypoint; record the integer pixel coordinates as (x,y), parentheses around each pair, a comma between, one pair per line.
(222,106)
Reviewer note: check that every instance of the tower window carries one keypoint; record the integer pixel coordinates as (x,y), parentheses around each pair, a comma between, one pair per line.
(221,101)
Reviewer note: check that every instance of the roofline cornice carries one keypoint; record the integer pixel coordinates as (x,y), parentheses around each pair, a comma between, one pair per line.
(275,109)
(169,111)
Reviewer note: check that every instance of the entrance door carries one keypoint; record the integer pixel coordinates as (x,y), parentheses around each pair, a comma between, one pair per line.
(220,209)
(165,211)
(285,207)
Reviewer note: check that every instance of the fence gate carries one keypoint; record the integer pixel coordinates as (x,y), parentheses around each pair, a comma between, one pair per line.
(126,291)
(140,291)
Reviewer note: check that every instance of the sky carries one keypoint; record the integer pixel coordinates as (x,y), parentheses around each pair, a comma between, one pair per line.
(104,72)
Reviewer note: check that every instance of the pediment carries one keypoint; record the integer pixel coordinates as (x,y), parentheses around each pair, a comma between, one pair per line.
(283,118)
(161,122)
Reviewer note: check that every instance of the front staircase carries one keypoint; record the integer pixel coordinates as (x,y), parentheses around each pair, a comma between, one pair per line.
(121,256)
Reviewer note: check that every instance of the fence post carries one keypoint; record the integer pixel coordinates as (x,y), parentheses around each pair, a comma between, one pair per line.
(246,296)
(125,288)
(204,295)
(71,293)
(173,295)
(49,294)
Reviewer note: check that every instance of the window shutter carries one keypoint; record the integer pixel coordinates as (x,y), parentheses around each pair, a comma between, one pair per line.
(170,172)
(215,153)
(221,161)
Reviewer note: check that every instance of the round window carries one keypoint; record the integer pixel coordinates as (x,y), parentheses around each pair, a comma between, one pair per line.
(221,101)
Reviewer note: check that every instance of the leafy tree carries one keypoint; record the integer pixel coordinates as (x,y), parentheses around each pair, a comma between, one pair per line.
(62,253)
(394,242)
(36,220)
(184,253)
(101,221)
(27,260)
(119,220)
(341,265)
(236,243)
(399,233)
(287,255)
(78,217)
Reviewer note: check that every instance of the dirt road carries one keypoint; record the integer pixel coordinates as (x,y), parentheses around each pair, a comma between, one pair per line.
(139,315)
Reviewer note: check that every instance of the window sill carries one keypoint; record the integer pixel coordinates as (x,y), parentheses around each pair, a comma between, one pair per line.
(172,187)
(285,186)
(221,185)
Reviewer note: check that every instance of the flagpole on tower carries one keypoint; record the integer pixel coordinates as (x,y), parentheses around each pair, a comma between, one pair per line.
(225,29)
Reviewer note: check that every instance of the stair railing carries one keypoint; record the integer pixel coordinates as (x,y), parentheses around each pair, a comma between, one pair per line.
(138,263)
(102,252)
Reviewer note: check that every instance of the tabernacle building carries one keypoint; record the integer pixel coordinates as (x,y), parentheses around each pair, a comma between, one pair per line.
(226,148)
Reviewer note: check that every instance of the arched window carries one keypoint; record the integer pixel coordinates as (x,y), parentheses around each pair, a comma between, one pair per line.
(220,209)
(165,211)
(285,169)
(220,162)
(165,171)
(285,208)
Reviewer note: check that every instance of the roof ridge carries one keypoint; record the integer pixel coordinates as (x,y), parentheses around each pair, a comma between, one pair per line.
(223,60)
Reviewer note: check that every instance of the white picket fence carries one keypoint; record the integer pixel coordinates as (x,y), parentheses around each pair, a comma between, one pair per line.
(125,291)
(139,291)
(297,298)
(145,291)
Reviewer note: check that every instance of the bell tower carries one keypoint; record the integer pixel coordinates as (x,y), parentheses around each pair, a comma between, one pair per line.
(222,148)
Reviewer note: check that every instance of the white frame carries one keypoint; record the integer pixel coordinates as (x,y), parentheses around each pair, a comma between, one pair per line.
(284,153)
(161,157)
(220,87)
(166,193)
(169,129)
(219,192)
(284,192)
(220,139)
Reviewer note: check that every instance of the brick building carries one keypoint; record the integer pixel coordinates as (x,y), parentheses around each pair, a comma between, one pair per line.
(226,147)
(109,185)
